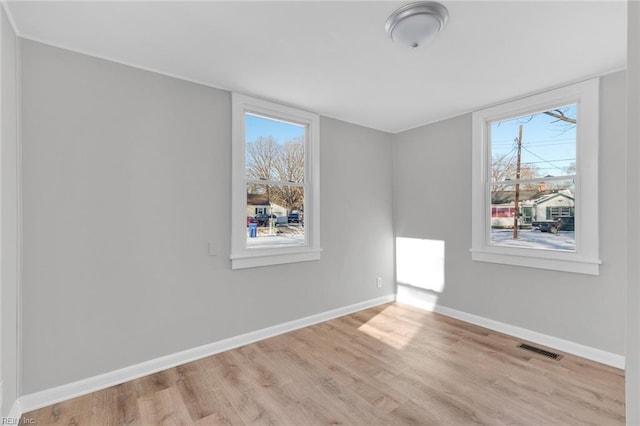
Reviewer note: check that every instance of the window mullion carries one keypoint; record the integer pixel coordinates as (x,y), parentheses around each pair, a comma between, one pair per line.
(274,182)
(533,180)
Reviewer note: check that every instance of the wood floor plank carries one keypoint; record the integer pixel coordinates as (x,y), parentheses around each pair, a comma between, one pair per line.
(165,407)
(388,365)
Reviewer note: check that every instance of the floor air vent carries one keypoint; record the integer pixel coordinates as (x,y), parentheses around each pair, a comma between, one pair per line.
(548,354)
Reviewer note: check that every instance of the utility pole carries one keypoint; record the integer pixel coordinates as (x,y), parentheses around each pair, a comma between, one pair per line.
(517,197)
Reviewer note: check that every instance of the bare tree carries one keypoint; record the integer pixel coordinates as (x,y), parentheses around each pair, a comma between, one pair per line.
(503,169)
(561,115)
(261,158)
(268,160)
(262,155)
(289,165)
(290,168)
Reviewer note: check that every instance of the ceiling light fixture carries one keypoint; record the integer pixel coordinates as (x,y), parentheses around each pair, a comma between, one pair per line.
(416,23)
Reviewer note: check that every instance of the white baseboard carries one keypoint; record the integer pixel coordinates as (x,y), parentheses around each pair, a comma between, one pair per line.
(16,411)
(51,396)
(562,345)
(13,416)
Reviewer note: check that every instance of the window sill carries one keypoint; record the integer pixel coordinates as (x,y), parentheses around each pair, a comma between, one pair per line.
(550,261)
(265,258)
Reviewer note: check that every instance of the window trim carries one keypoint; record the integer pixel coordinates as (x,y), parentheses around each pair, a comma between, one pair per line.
(241,256)
(586,258)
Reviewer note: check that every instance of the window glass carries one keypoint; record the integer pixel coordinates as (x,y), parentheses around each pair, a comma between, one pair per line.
(547,148)
(274,170)
(533,166)
(545,218)
(274,225)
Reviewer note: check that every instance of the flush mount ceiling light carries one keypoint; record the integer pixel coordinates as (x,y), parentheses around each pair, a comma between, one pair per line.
(416,23)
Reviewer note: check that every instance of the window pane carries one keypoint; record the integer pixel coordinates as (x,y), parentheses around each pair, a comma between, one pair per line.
(545,215)
(275,216)
(274,149)
(544,142)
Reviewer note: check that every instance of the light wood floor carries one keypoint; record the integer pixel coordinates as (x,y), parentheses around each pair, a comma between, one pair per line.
(390,365)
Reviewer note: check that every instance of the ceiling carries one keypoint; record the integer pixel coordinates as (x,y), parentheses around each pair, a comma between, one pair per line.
(334,57)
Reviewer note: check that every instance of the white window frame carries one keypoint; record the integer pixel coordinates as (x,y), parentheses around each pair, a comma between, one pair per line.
(586,258)
(241,256)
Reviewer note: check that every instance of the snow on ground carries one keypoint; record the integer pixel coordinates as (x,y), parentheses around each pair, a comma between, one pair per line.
(285,236)
(528,238)
(291,236)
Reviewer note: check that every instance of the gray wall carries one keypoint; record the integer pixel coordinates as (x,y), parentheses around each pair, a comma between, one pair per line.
(433,201)
(126,180)
(9,213)
(632,367)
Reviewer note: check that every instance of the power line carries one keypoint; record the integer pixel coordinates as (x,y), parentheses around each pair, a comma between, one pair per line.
(536,140)
(538,143)
(543,160)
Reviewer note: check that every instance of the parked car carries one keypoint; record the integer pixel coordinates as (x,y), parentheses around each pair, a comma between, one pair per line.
(294,217)
(553,226)
(263,219)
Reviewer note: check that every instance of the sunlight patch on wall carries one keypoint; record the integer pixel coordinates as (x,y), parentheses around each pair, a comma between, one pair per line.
(420,263)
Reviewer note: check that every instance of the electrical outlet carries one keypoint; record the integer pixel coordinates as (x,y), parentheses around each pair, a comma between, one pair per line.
(379,282)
